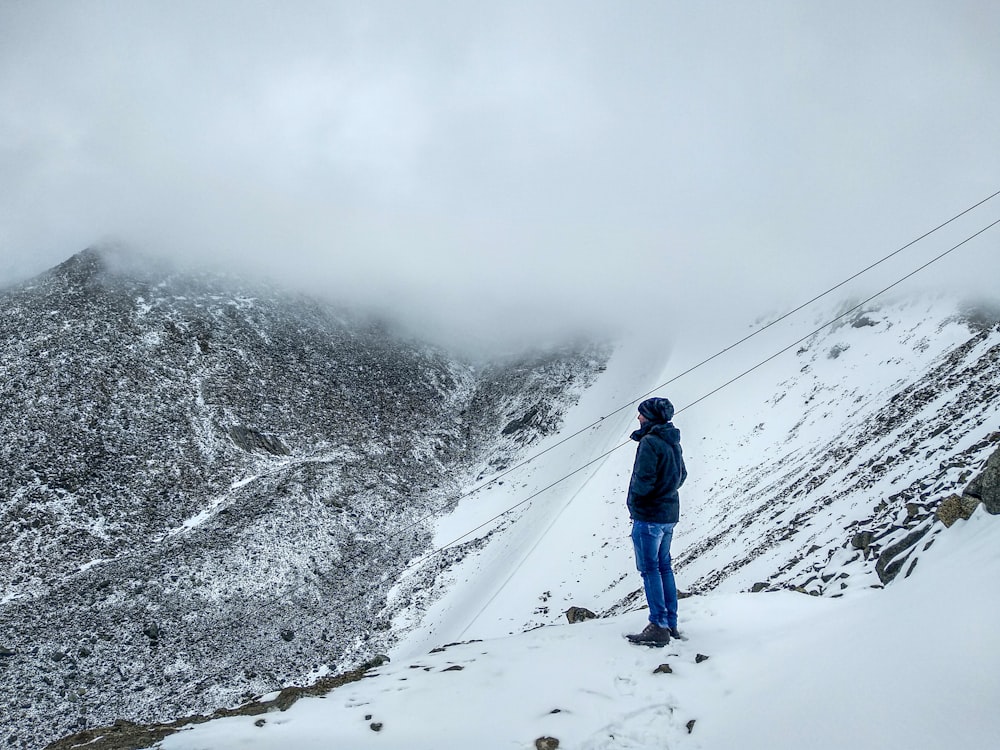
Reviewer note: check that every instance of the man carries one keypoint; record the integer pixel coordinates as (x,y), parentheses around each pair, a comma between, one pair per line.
(654,505)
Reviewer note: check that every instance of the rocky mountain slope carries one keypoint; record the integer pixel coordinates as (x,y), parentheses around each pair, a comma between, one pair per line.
(837,477)
(208,489)
(829,474)
(824,471)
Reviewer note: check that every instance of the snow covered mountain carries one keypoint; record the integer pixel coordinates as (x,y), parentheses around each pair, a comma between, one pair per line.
(201,477)
(819,472)
(835,605)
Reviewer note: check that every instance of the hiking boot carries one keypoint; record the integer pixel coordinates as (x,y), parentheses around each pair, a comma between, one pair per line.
(675,633)
(652,635)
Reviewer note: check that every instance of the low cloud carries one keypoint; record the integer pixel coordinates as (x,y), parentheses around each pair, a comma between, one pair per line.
(508,171)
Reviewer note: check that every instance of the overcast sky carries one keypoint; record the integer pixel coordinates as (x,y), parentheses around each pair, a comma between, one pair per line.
(529,163)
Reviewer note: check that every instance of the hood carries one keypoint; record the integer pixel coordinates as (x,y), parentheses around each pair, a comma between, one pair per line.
(665,431)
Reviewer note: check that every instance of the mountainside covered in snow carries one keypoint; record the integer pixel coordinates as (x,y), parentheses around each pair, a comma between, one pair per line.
(822,476)
(836,476)
(837,598)
(821,471)
(214,484)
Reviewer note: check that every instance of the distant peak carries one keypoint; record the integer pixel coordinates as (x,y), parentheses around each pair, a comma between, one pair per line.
(83,267)
(98,262)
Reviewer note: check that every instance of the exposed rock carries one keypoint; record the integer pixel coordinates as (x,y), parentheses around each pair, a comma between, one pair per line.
(528,419)
(663,669)
(125,735)
(445,647)
(699,658)
(152,631)
(287,634)
(579,614)
(889,562)
(986,486)
(862,540)
(758,587)
(955,507)
(546,743)
(249,439)
(453,668)
(376,726)
(690,726)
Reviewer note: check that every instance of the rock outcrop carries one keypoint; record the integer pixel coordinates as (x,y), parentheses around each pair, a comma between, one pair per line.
(986,486)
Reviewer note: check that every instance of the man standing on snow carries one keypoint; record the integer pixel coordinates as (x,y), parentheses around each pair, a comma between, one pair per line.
(654,505)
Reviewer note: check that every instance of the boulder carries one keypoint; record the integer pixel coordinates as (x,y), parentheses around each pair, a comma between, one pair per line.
(862,540)
(986,486)
(955,507)
(579,614)
(546,743)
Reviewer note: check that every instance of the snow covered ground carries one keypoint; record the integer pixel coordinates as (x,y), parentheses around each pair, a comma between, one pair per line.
(916,665)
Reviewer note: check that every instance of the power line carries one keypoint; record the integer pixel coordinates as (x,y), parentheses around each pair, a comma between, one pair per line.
(729,348)
(425,558)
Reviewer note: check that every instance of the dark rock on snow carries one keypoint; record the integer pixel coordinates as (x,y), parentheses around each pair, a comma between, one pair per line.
(579,614)
(986,486)
(955,507)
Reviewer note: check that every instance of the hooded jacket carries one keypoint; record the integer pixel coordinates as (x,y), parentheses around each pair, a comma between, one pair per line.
(658,472)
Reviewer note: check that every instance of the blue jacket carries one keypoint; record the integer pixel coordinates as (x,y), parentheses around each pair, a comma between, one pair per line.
(658,472)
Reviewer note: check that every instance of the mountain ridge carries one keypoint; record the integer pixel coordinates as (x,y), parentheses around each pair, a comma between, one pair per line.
(182,450)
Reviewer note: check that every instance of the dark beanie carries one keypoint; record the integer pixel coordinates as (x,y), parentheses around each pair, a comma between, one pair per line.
(657,410)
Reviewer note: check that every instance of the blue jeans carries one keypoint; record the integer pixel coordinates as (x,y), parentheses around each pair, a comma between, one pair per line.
(652,557)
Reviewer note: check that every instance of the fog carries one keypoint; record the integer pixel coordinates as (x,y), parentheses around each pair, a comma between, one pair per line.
(509,170)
